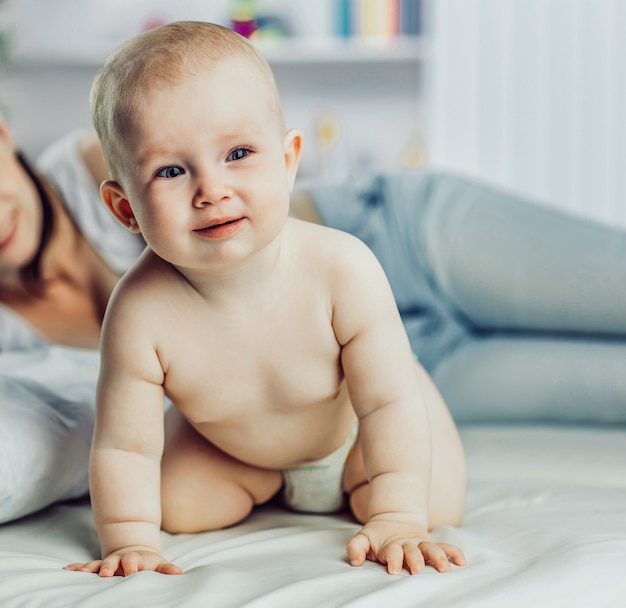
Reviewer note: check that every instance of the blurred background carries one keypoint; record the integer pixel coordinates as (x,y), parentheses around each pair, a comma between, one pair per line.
(527,94)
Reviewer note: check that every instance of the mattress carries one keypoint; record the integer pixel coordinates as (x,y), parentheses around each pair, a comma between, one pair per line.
(545,526)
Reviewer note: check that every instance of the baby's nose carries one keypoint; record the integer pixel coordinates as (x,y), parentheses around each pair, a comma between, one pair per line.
(212,190)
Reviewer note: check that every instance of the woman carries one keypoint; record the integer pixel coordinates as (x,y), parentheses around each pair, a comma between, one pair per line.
(61,253)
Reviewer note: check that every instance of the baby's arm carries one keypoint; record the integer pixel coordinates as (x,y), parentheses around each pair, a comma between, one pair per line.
(126,451)
(393,420)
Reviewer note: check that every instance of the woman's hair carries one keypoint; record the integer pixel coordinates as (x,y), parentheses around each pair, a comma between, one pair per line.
(30,275)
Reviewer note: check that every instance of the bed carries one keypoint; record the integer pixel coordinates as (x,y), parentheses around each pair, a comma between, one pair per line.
(545,526)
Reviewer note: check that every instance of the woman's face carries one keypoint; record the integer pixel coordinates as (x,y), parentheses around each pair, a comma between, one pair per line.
(20,212)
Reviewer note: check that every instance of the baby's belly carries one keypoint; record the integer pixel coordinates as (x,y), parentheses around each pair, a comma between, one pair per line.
(278,439)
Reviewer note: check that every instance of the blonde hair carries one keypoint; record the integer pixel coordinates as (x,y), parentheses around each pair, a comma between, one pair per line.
(161,57)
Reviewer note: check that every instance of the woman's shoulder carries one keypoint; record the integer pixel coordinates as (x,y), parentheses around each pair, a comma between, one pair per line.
(64,154)
(64,167)
(71,166)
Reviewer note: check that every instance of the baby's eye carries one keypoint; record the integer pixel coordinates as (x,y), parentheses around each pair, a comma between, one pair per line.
(170,172)
(238,154)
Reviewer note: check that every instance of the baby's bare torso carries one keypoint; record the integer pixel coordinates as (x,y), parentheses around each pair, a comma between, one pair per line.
(259,376)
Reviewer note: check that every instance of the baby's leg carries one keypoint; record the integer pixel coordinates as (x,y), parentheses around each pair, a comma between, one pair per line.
(448,478)
(202,488)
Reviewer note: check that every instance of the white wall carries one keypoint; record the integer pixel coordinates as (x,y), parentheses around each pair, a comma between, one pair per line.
(531,94)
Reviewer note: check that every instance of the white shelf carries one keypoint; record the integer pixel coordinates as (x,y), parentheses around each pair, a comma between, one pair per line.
(300,51)
(342,50)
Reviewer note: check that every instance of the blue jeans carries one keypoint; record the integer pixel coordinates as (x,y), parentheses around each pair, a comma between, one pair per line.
(518,311)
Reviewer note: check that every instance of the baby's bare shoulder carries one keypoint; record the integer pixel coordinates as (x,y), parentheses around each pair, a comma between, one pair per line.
(145,289)
(141,318)
(328,246)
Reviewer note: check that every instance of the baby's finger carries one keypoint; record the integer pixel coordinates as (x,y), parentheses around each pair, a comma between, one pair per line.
(92,566)
(392,555)
(454,553)
(435,556)
(413,558)
(168,568)
(357,549)
(131,563)
(109,565)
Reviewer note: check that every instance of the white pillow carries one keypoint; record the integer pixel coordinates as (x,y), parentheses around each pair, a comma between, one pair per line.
(47,406)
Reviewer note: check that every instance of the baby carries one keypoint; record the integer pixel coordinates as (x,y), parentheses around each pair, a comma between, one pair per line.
(278,341)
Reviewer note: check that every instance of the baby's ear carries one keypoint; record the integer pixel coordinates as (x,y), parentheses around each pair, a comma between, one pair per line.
(293,150)
(115,199)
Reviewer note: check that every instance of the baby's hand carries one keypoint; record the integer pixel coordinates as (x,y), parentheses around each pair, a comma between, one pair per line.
(397,543)
(127,562)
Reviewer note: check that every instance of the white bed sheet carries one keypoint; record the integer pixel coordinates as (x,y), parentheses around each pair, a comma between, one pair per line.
(545,527)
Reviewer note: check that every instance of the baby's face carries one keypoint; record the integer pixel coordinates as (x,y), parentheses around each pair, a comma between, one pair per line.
(209,177)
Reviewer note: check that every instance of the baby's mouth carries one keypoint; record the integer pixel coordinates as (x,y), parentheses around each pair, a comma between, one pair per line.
(221,228)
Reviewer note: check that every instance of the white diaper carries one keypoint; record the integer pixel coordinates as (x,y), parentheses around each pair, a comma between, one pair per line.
(317,487)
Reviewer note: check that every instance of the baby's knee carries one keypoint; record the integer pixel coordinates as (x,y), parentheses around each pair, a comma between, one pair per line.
(188,513)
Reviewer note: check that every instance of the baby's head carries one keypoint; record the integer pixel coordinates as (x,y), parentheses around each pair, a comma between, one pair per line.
(164,57)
